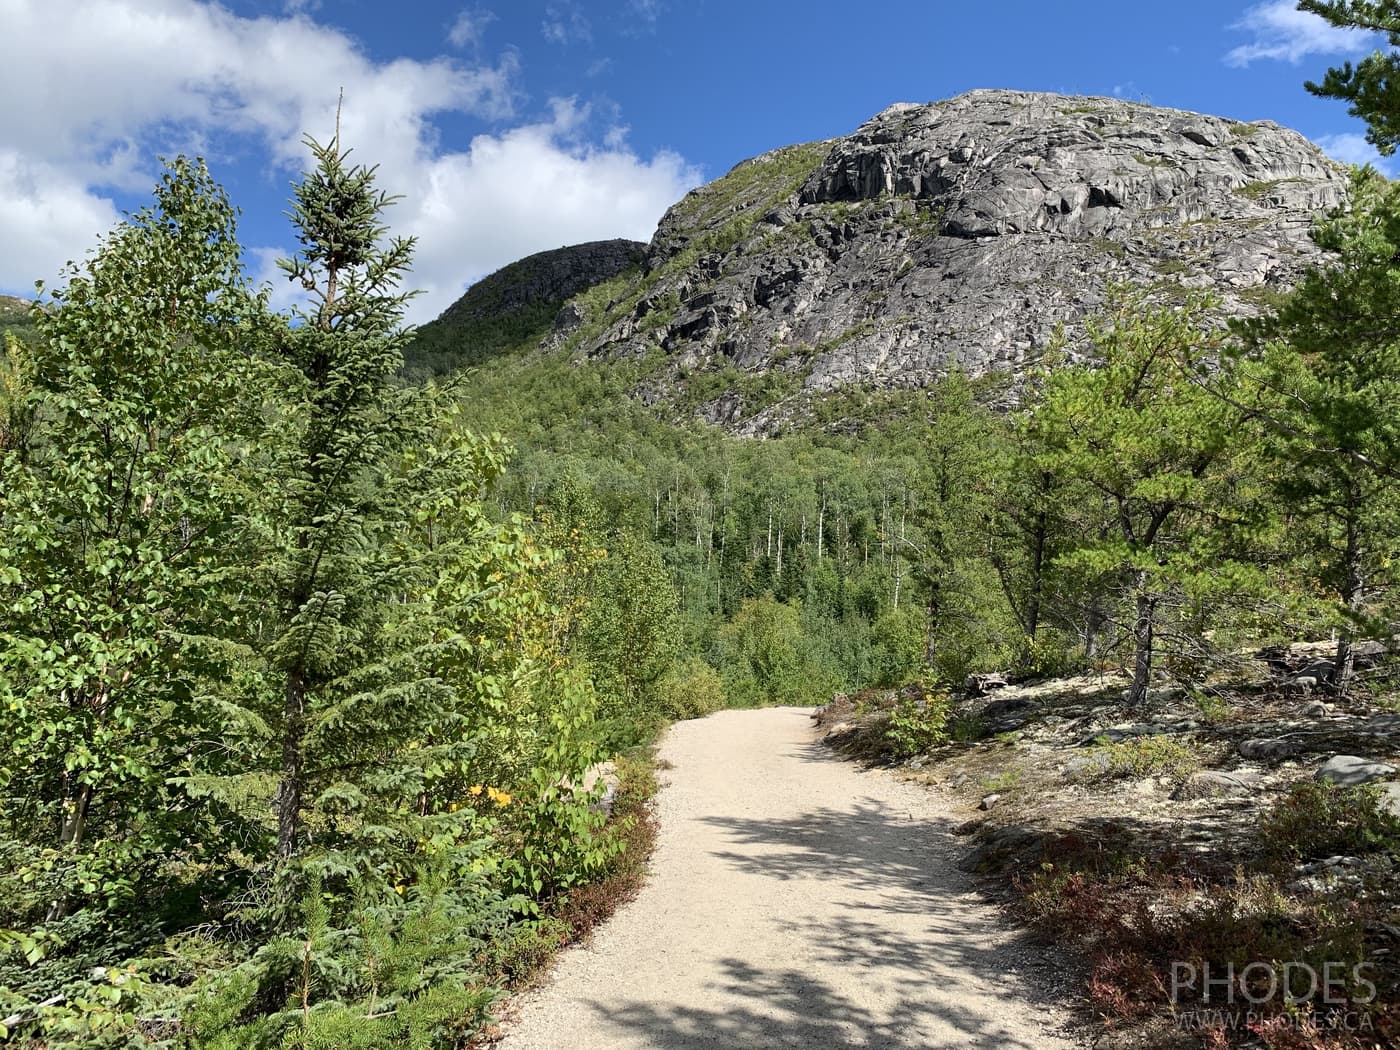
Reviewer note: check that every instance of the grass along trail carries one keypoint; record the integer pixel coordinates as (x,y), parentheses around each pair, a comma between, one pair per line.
(795,901)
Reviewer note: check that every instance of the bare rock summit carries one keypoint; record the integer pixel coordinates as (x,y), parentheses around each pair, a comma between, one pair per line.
(954,234)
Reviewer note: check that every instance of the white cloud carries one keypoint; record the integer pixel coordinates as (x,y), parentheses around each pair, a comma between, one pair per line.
(47,218)
(1352,148)
(565,23)
(527,190)
(646,10)
(109,84)
(469,27)
(1284,33)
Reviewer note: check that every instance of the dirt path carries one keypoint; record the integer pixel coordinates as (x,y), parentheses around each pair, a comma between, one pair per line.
(795,901)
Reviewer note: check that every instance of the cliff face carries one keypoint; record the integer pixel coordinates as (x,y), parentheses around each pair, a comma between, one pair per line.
(954,234)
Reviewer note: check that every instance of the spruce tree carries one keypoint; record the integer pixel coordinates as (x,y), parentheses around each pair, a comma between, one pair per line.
(329,585)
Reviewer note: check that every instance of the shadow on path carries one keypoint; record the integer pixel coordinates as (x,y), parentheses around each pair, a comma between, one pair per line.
(791,1009)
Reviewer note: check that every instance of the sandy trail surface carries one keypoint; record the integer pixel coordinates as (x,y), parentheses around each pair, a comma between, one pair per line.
(795,901)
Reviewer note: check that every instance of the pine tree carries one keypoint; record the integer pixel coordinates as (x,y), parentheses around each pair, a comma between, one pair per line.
(1140,430)
(1372,86)
(1322,374)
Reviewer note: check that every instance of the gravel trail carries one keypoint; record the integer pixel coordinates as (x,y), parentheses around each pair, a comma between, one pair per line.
(795,901)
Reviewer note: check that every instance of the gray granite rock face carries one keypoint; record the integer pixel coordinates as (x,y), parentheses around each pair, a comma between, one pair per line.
(961,234)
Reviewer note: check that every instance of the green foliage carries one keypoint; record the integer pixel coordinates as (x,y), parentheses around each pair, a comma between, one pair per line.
(113,530)
(1322,375)
(1141,436)
(691,689)
(1369,84)
(1147,756)
(897,641)
(290,713)
(631,631)
(16,379)
(918,723)
(1319,819)
(766,656)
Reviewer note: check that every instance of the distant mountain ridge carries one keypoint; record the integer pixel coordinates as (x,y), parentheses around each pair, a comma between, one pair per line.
(955,234)
(517,303)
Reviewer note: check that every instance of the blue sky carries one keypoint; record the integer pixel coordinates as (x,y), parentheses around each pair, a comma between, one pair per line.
(511,127)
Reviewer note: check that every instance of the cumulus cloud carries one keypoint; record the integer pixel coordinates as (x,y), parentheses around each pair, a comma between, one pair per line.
(1352,148)
(109,84)
(1283,33)
(47,218)
(528,189)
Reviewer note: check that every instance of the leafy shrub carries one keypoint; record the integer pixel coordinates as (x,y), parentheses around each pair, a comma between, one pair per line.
(897,638)
(1320,819)
(691,689)
(918,723)
(1147,756)
(526,949)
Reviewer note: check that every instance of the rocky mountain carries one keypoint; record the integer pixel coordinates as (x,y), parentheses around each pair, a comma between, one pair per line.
(16,317)
(953,234)
(517,303)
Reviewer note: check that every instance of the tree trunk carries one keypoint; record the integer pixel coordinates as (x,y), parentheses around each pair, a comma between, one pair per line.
(70,836)
(1353,591)
(1142,642)
(289,791)
(935,610)
(1039,540)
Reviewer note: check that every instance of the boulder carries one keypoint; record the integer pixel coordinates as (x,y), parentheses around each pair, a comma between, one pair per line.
(1211,783)
(1390,799)
(1275,749)
(1093,764)
(1351,770)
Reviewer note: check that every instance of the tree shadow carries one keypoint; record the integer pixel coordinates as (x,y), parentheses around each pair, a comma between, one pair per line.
(912,957)
(789,1007)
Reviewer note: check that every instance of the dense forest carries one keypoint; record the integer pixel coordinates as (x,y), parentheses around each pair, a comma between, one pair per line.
(1182,493)
(304,649)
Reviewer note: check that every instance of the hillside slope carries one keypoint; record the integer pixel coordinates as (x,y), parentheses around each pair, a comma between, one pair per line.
(955,234)
(516,304)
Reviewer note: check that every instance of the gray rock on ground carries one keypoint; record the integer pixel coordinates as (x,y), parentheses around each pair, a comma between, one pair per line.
(1211,783)
(1390,799)
(1352,770)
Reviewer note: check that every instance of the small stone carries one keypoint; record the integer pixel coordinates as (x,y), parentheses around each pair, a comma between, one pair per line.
(1317,709)
(1351,770)
(989,801)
